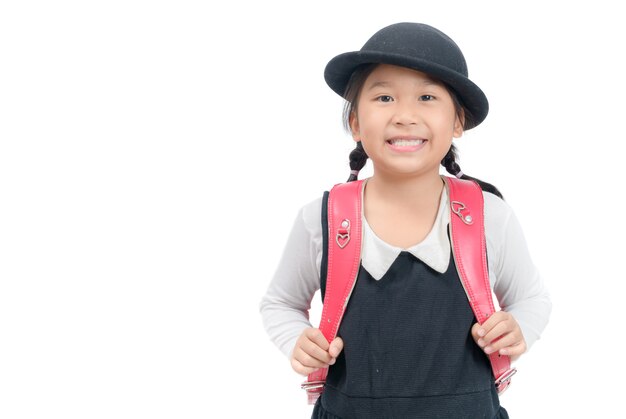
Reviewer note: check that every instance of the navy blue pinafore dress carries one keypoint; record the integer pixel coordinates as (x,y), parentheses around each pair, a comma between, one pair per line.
(408,351)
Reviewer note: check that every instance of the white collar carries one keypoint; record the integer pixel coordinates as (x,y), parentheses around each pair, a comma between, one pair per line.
(377,256)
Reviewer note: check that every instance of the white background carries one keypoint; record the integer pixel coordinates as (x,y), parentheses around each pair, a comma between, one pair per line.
(153,155)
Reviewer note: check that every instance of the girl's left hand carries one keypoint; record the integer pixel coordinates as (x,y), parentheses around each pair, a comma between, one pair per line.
(500,333)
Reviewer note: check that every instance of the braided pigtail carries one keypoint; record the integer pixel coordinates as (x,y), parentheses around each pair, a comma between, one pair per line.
(449,162)
(358,158)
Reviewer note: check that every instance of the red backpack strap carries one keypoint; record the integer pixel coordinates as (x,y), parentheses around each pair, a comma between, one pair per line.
(467,231)
(344,260)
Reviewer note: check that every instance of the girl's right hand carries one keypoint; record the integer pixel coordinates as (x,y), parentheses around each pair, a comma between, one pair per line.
(312,351)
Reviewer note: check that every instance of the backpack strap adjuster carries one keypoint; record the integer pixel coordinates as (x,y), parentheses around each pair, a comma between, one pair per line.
(343,234)
(503,382)
(461,210)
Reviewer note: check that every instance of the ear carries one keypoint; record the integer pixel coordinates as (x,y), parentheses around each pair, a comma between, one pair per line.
(459,122)
(354,127)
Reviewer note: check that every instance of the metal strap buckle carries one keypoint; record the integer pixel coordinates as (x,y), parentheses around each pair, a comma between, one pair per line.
(504,380)
(312,385)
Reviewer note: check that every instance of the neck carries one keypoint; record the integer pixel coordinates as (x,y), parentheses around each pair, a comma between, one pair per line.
(417,192)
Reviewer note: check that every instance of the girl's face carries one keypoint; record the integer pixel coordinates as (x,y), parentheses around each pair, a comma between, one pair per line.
(405,121)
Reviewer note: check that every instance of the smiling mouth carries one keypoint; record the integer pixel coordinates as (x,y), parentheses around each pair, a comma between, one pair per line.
(401,142)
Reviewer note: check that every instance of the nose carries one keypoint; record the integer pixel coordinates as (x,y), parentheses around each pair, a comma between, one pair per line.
(405,114)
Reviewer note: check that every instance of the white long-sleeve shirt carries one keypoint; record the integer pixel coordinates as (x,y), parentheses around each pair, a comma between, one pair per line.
(514,278)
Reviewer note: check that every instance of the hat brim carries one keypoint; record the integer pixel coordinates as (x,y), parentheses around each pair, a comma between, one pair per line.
(339,69)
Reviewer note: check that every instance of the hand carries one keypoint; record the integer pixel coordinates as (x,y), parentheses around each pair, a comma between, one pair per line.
(500,333)
(312,351)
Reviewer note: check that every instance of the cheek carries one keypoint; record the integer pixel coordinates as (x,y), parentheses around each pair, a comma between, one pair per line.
(447,124)
(366,124)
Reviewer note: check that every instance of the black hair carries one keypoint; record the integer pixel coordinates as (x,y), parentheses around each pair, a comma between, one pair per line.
(452,167)
(358,156)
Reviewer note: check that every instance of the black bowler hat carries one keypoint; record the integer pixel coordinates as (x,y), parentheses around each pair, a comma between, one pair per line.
(417,46)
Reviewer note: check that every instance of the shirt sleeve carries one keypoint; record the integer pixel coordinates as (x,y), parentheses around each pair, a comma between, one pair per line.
(516,281)
(285,306)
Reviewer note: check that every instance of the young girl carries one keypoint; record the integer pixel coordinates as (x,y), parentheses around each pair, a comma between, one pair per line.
(409,345)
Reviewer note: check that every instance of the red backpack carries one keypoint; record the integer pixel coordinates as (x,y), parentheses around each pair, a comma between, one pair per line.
(469,250)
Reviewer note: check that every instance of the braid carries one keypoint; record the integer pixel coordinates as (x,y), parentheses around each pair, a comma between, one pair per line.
(358,158)
(449,162)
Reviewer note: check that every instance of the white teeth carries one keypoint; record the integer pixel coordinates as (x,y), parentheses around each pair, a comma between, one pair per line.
(406,143)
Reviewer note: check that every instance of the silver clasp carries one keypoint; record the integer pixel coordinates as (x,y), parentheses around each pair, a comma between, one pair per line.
(457,207)
(343,234)
(312,385)
(502,382)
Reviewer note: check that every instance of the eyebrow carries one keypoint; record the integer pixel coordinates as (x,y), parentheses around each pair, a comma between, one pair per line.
(383,83)
(379,84)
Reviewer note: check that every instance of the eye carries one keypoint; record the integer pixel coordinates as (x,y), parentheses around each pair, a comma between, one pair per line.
(384,98)
(426,98)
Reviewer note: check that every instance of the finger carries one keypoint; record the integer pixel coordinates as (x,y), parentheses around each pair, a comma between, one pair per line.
(494,334)
(505,341)
(511,344)
(307,360)
(514,351)
(316,336)
(474,331)
(313,350)
(336,346)
(500,329)
(301,369)
(489,324)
